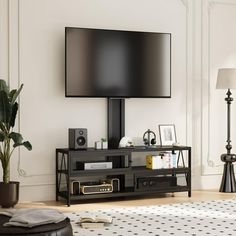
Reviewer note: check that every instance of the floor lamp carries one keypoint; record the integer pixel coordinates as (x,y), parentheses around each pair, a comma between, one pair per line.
(226,79)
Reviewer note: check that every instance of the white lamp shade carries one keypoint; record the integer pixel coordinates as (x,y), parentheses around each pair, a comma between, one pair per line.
(226,78)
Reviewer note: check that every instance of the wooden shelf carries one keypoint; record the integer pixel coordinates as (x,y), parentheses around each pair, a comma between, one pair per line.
(143,169)
(120,171)
(124,193)
(123,151)
(114,171)
(135,169)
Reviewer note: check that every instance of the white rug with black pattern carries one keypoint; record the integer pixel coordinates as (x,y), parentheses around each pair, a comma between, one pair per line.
(197,218)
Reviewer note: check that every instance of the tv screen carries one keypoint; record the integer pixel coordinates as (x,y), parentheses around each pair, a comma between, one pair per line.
(114,63)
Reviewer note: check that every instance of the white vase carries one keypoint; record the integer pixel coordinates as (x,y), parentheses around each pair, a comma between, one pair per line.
(98,145)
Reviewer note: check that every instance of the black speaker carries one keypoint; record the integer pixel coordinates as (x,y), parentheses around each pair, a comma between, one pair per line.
(75,187)
(78,138)
(115,182)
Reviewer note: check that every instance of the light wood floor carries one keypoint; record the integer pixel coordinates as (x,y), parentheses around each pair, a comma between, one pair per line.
(127,202)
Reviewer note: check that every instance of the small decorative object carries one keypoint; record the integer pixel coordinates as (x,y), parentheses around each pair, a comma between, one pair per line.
(167,135)
(126,142)
(104,143)
(9,190)
(164,160)
(227,80)
(154,162)
(177,144)
(98,145)
(147,140)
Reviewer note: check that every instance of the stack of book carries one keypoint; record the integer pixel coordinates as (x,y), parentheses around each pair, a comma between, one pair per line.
(162,161)
(91,222)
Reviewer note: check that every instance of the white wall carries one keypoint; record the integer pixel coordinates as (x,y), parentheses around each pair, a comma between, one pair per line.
(215,40)
(32,52)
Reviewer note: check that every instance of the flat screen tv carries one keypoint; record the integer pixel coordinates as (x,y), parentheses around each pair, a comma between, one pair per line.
(115,63)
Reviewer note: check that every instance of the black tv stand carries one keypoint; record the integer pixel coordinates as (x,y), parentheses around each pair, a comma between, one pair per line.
(123,169)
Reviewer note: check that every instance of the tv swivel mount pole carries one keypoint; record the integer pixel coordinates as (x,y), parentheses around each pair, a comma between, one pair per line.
(116,121)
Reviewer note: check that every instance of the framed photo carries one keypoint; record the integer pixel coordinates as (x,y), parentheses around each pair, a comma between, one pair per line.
(167,135)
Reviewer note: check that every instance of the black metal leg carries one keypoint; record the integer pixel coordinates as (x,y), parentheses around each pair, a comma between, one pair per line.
(68,190)
(189,173)
(68,201)
(57,188)
(178,159)
(68,181)
(189,193)
(182,157)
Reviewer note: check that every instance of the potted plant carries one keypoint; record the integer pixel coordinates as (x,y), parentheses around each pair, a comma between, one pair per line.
(104,143)
(9,141)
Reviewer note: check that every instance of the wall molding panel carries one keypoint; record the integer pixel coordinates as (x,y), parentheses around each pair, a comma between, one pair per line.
(4,39)
(211,164)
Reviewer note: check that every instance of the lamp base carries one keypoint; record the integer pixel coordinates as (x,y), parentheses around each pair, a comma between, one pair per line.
(228,183)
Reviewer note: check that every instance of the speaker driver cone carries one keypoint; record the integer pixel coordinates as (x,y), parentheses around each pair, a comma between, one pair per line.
(81,140)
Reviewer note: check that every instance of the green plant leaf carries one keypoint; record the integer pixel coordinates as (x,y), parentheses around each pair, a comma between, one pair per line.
(16,137)
(13,114)
(5,108)
(26,144)
(3,86)
(2,136)
(11,94)
(2,127)
(15,94)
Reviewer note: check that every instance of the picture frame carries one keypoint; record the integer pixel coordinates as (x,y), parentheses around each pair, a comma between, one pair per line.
(167,135)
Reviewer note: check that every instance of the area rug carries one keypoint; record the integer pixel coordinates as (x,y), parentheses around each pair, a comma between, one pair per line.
(195,218)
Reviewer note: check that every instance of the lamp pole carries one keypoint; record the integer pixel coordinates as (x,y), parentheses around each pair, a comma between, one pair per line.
(228,99)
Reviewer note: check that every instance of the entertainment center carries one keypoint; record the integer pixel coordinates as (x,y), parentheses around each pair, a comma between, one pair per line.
(132,178)
(116,65)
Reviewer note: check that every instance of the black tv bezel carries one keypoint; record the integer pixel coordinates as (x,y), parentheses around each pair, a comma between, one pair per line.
(118,97)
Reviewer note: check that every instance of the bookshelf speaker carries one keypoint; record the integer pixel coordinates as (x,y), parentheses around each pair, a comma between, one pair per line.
(115,182)
(78,138)
(75,187)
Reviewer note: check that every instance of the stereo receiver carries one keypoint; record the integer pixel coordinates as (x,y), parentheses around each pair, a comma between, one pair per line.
(94,188)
